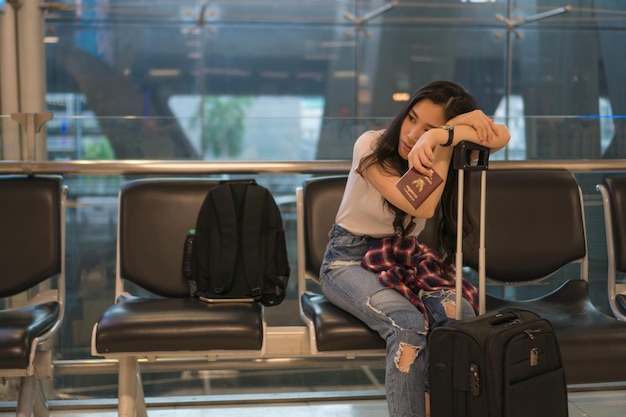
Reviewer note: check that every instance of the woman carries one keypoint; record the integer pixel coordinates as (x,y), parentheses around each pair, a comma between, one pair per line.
(374,216)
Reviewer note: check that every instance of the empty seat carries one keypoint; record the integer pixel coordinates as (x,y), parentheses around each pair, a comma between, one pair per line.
(32,253)
(535,227)
(613,190)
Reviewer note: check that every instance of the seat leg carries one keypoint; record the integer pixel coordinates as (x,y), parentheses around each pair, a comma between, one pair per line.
(41,404)
(140,400)
(26,396)
(127,387)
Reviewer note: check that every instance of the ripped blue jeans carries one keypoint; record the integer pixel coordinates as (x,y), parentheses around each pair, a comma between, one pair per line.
(353,288)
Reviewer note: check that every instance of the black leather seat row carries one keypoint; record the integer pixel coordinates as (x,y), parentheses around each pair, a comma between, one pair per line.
(535,226)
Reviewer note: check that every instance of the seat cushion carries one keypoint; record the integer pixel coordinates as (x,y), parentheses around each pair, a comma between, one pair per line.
(592,344)
(19,327)
(336,329)
(137,325)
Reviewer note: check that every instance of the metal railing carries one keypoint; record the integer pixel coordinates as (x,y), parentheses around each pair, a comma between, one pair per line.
(160,167)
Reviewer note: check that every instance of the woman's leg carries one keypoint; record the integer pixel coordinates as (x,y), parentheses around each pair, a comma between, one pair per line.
(399,323)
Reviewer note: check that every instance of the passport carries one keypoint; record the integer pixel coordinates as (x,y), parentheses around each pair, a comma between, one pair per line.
(416,187)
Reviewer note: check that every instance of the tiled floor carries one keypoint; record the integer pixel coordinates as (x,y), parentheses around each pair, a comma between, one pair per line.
(597,404)
(582,404)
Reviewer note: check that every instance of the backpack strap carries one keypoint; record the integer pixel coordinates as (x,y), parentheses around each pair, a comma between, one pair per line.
(227,235)
(254,211)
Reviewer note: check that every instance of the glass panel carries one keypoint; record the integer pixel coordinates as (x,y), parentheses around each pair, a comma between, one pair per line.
(248,71)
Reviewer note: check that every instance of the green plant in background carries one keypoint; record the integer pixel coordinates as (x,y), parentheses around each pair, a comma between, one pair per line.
(98,149)
(222,121)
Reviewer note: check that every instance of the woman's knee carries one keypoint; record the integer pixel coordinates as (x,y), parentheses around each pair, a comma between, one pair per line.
(405,356)
(400,314)
(404,329)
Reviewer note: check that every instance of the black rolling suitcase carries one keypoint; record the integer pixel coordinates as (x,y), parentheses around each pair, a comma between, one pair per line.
(498,364)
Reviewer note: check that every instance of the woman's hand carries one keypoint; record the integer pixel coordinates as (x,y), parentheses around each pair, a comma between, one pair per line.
(422,154)
(484,126)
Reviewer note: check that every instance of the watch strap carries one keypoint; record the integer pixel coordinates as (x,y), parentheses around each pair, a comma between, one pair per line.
(450,130)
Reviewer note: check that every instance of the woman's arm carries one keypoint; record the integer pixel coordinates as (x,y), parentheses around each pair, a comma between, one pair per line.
(423,153)
(488,133)
(427,155)
(385,183)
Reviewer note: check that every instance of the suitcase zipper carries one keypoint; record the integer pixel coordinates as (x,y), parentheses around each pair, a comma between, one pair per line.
(531,333)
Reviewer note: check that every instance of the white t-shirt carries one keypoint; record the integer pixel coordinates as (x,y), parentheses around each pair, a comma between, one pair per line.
(362,210)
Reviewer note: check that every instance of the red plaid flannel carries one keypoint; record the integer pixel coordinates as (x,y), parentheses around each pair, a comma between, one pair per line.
(410,266)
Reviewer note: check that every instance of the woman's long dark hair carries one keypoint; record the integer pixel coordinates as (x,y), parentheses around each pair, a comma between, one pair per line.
(455,100)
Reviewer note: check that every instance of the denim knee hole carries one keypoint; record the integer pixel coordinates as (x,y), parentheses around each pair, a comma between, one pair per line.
(405,356)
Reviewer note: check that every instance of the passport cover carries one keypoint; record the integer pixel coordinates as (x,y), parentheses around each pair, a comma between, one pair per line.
(416,187)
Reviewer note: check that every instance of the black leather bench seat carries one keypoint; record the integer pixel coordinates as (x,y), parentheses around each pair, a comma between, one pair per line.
(19,327)
(179,324)
(335,329)
(155,216)
(32,282)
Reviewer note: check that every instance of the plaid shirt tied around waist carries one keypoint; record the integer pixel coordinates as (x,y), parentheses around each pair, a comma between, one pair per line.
(410,266)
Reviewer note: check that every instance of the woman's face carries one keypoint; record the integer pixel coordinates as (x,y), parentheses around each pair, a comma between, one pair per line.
(423,116)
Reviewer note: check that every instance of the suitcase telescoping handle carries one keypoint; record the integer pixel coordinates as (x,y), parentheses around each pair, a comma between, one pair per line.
(473,157)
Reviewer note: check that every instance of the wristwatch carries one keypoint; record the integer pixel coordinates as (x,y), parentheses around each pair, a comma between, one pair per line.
(450,130)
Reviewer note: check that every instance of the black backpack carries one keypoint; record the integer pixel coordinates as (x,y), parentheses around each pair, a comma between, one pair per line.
(239,249)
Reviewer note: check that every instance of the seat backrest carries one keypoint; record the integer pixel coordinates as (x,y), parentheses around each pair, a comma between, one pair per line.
(31,231)
(319,200)
(534,224)
(615,188)
(155,216)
